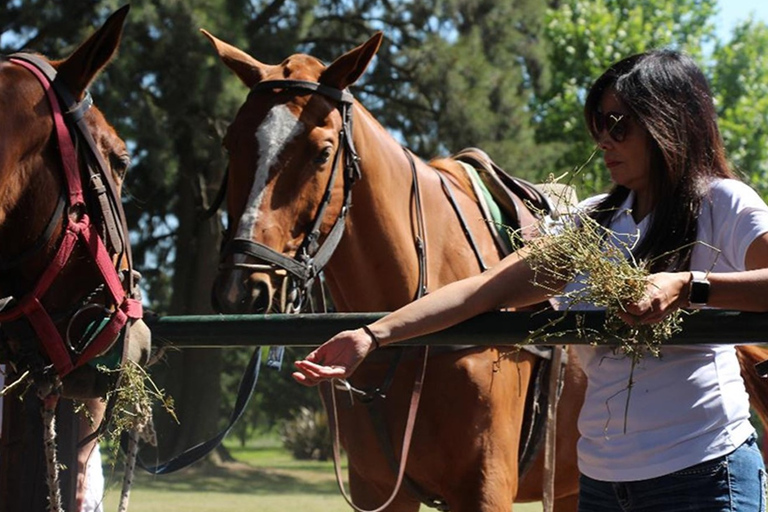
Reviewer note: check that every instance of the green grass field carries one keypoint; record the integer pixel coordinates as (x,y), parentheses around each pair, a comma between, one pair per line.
(265,478)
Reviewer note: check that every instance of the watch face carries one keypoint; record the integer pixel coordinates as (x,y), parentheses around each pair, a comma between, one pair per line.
(699,291)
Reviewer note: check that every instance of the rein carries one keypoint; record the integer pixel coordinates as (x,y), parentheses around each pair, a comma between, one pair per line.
(77,227)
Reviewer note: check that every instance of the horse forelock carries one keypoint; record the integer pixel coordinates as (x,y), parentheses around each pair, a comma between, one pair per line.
(300,67)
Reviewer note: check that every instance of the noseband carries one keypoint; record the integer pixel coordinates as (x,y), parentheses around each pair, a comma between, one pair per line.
(120,285)
(311,256)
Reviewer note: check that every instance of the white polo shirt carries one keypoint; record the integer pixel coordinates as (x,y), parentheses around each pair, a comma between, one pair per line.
(690,405)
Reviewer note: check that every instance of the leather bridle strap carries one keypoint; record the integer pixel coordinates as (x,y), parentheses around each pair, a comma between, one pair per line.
(78,227)
(462,221)
(327,388)
(101,181)
(420,239)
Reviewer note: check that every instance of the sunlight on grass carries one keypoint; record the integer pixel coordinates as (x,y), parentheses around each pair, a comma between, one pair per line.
(264,478)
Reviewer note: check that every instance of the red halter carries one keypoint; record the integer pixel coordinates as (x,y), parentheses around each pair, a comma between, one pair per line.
(77,227)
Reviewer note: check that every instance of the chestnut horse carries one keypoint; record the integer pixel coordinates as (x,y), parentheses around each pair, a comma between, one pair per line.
(68,293)
(284,144)
(392,235)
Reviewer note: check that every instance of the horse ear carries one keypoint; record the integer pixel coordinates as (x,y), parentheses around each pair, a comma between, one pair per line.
(348,68)
(249,70)
(78,70)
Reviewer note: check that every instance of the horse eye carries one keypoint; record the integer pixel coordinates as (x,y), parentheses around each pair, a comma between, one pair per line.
(324,156)
(119,163)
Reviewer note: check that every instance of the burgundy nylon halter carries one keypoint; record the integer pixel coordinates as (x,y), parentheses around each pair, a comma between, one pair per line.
(78,227)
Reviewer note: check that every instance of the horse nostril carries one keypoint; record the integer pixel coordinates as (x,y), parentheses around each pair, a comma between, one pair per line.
(260,296)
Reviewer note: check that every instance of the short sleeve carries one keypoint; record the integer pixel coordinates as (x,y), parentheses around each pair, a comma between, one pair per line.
(738,216)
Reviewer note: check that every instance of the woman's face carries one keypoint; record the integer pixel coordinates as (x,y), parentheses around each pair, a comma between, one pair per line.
(625,144)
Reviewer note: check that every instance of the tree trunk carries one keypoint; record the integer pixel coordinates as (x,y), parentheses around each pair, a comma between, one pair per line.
(191,377)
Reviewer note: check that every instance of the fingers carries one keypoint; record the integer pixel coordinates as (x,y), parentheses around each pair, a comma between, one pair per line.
(648,311)
(311,374)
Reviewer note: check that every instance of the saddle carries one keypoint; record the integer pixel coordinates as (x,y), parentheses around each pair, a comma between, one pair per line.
(519,200)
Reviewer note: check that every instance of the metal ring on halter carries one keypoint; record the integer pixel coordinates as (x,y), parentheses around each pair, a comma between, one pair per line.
(77,313)
(291,300)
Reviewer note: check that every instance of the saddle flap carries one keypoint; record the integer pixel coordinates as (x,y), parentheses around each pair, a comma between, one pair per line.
(521,201)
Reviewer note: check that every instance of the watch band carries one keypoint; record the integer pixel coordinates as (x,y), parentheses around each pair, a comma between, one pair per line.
(698,294)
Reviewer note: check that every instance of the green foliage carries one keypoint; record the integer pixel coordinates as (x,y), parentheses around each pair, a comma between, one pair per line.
(740,81)
(307,435)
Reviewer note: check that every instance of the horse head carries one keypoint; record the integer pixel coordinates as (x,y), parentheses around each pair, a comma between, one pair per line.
(68,291)
(287,145)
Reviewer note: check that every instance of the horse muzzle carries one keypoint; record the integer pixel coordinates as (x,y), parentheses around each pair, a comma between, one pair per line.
(89,381)
(238,292)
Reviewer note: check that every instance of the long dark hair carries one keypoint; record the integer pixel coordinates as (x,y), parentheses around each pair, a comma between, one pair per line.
(666,93)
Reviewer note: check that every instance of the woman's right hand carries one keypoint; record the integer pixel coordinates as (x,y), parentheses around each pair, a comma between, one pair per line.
(337,358)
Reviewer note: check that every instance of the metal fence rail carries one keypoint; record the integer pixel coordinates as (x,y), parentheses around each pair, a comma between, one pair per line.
(498,328)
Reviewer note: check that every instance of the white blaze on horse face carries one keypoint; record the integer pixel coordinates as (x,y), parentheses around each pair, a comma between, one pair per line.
(279,127)
(274,133)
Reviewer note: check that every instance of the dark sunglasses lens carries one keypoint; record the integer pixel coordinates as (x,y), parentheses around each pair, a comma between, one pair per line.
(614,123)
(617,126)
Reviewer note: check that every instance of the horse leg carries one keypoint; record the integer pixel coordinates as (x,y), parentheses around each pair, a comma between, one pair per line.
(466,440)
(486,468)
(567,503)
(371,478)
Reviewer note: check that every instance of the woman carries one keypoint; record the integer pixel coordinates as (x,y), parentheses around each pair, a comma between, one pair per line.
(683,440)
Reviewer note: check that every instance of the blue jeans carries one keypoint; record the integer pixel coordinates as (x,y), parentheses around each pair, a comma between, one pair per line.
(732,483)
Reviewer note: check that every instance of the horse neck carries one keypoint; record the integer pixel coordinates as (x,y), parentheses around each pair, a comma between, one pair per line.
(376,265)
(373,267)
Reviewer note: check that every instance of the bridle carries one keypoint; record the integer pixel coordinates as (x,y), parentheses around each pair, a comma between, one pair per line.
(311,256)
(123,306)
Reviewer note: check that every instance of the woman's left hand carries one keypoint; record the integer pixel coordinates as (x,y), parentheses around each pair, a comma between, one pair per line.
(337,358)
(665,292)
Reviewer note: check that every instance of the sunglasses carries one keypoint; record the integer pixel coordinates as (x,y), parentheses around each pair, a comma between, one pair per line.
(616,123)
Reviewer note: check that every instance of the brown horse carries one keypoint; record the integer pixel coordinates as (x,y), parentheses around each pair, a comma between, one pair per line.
(68,292)
(401,234)
(283,146)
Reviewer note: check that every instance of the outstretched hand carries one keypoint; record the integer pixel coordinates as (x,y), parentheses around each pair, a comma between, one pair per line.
(337,358)
(664,293)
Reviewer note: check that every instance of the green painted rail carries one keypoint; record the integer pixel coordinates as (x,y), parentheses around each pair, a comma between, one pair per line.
(498,328)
